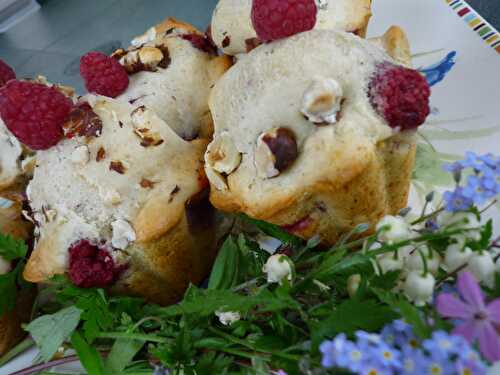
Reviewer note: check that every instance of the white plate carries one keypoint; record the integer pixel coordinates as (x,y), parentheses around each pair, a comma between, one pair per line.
(466,102)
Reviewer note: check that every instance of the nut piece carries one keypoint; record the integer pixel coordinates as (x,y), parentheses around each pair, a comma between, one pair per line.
(222,154)
(147,37)
(81,155)
(123,234)
(110,197)
(144,59)
(322,101)
(276,151)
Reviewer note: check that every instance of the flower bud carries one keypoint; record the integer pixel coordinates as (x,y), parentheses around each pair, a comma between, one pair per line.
(455,257)
(415,263)
(388,263)
(353,283)
(277,268)
(419,288)
(393,229)
(483,268)
(229,317)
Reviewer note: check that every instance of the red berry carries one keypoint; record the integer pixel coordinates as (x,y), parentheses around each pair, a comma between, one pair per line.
(91,266)
(277,19)
(202,42)
(6,73)
(400,95)
(34,113)
(103,75)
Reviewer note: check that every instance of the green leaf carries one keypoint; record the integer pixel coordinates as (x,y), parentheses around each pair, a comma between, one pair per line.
(408,312)
(89,356)
(11,248)
(122,353)
(353,315)
(8,288)
(51,331)
(274,231)
(226,268)
(210,364)
(337,264)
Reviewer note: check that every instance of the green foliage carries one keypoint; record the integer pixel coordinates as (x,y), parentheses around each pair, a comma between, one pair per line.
(51,331)
(12,249)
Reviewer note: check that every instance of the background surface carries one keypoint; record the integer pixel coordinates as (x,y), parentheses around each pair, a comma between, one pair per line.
(51,41)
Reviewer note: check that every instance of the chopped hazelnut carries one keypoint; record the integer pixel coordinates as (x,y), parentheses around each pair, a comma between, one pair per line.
(276,151)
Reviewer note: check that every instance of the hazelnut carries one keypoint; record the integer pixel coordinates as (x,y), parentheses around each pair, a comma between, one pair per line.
(123,234)
(276,151)
(217,180)
(147,37)
(222,154)
(150,56)
(145,59)
(322,101)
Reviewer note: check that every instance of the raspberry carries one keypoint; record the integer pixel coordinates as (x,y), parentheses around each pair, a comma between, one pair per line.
(400,95)
(202,42)
(91,266)
(277,19)
(6,73)
(103,75)
(34,113)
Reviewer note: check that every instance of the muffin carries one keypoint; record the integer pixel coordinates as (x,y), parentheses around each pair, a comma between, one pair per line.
(316,132)
(233,32)
(121,203)
(172,68)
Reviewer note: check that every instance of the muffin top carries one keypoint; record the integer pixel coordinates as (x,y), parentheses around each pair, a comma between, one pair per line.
(296,113)
(233,32)
(172,68)
(10,157)
(122,176)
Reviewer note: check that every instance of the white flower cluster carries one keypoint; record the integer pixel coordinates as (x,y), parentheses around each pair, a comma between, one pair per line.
(419,264)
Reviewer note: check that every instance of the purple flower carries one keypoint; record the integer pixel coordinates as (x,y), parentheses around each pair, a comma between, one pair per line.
(489,160)
(385,356)
(413,361)
(279,372)
(454,167)
(398,333)
(439,365)
(478,320)
(469,367)
(444,345)
(456,200)
(342,353)
(471,160)
(476,191)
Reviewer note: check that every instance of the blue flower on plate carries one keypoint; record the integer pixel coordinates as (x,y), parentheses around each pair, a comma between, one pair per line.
(456,201)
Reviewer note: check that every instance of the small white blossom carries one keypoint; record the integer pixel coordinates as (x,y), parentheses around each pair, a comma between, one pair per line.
(228,317)
(419,288)
(387,263)
(395,229)
(277,269)
(353,284)
(483,268)
(455,257)
(5,266)
(415,263)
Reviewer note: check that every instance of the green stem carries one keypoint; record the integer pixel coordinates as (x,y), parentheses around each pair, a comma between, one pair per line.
(16,350)
(238,341)
(132,336)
